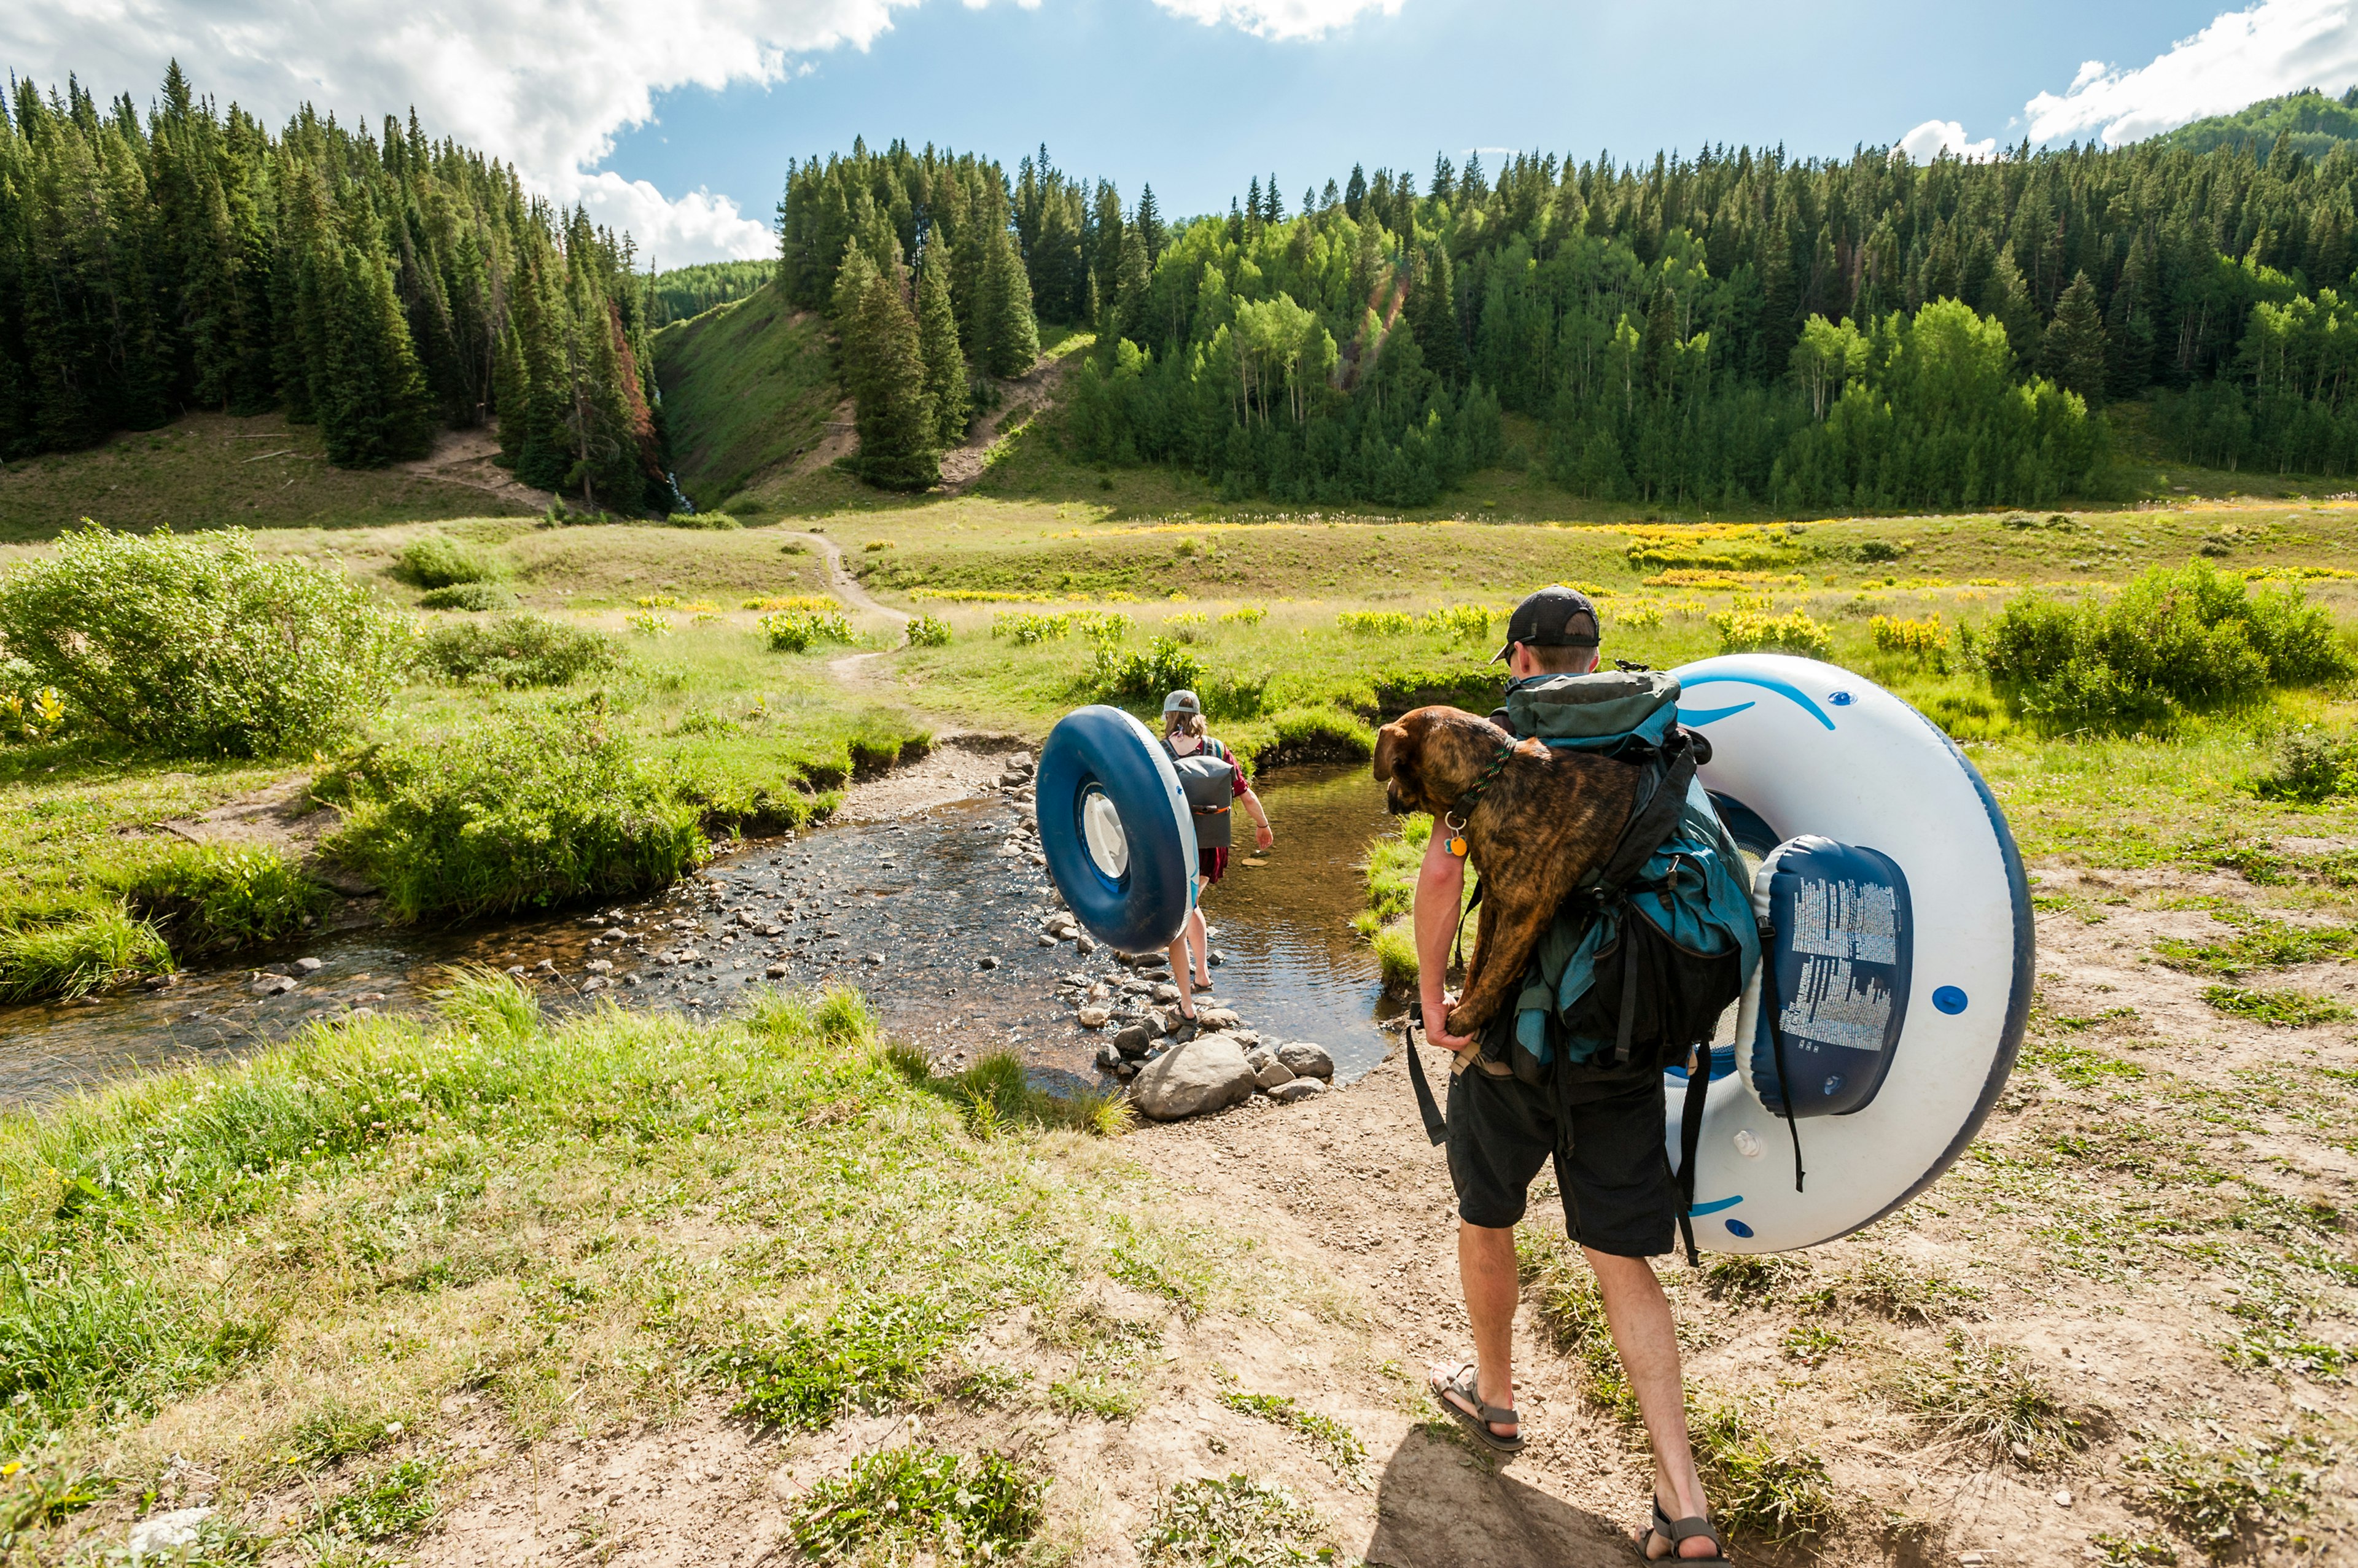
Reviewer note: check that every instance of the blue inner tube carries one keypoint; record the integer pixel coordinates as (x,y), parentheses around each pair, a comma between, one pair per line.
(1115,827)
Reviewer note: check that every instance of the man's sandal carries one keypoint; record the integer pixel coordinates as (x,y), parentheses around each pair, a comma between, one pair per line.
(1461,1384)
(1677,1531)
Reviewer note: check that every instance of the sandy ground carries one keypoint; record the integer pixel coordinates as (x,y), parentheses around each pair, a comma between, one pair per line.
(1343,1196)
(464,456)
(1021,398)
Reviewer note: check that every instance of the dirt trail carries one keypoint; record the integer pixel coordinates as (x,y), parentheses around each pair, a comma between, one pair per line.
(1021,399)
(851,669)
(962,465)
(464,456)
(1343,1197)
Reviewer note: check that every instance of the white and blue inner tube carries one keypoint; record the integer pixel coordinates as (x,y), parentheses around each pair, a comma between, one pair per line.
(1900,973)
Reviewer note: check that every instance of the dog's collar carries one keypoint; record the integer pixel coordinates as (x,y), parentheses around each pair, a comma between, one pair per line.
(1461,810)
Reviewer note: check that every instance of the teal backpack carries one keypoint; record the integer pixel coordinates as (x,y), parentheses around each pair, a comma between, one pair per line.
(1646,955)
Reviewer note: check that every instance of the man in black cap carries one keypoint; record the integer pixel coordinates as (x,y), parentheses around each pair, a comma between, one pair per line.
(1621,1203)
(1552,632)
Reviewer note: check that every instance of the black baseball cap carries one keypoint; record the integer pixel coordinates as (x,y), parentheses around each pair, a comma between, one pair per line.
(1556,617)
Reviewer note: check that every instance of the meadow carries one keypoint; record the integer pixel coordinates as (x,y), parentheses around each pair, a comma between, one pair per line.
(352,1291)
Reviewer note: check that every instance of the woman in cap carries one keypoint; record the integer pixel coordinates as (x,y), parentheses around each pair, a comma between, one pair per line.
(1214,785)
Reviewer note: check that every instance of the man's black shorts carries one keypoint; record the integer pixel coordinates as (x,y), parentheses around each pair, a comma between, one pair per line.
(1619,1194)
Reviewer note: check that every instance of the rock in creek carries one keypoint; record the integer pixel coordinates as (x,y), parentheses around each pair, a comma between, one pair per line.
(1300,1088)
(1217,1018)
(1268,1073)
(1208,1073)
(1166,993)
(1134,1041)
(988,961)
(1306,1059)
(1095,1017)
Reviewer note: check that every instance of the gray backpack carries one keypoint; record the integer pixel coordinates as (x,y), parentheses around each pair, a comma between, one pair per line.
(1209,778)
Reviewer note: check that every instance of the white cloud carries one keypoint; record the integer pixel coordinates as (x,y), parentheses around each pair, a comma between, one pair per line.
(1279,18)
(546,85)
(2275,47)
(1931,138)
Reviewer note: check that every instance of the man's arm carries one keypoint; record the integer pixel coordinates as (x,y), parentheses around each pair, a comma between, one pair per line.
(1439,906)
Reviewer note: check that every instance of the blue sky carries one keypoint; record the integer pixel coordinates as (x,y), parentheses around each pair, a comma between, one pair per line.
(674,119)
(1124,90)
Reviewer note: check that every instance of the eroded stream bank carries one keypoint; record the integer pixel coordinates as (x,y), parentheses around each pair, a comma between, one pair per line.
(906,908)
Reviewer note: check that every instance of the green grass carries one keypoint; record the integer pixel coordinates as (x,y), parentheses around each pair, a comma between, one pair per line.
(746,387)
(961,1508)
(1236,1522)
(2227,1496)
(2284,1009)
(404,1210)
(213,470)
(1339,1448)
(546,807)
(1992,1398)
(88,950)
(1758,1485)
(2259,942)
(215,898)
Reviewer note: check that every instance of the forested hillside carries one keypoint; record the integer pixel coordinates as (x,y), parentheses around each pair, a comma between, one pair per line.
(2310,123)
(680,292)
(1737,328)
(378,286)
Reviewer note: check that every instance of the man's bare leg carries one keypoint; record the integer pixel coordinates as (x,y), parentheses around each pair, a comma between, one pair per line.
(1639,1315)
(1486,1267)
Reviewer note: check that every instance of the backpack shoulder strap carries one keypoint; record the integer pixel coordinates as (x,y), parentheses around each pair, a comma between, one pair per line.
(1656,817)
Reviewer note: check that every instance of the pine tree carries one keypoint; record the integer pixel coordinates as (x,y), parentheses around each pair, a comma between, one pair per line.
(1132,279)
(2073,354)
(1148,220)
(376,409)
(1010,333)
(1355,193)
(898,432)
(937,339)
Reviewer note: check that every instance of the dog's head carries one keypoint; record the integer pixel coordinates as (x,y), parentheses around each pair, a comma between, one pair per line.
(1427,757)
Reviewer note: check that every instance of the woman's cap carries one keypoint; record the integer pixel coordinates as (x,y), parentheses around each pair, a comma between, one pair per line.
(1556,617)
(1182,701)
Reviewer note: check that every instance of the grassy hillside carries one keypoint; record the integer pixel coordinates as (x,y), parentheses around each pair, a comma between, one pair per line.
(747,386)
(2316,124)
(210,470)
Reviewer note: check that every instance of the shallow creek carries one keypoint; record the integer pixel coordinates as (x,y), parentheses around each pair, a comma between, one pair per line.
(907,910)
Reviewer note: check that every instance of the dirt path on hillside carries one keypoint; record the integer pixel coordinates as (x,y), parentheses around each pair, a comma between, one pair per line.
(1019,400)
(840,439)
(1342,1201)
(464,456)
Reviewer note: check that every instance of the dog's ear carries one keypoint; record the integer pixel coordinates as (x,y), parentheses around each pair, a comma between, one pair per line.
(1400,763)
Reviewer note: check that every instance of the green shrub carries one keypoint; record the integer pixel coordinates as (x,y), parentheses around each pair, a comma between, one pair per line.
(1751,630)
(518,651)
(1027,628)
(200,647)
(1236,1523)
(949,1508)
(2310,766)
(393,1502)
(214,897)
(1165,668)
(478,596)
(90,951)
(929,632)
(718,520)
(439,561)
(2169,644)
(868,1353)
(524,810)
(1376,622)
(793,631)
(1458,622)
(1319,735)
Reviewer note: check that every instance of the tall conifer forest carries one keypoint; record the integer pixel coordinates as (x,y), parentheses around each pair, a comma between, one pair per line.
(1735,327)
(378,287)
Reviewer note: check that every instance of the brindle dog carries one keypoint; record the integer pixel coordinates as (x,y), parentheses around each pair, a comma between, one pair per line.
(1541,825)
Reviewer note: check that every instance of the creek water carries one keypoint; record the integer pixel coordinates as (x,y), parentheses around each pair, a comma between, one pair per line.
(910,910)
